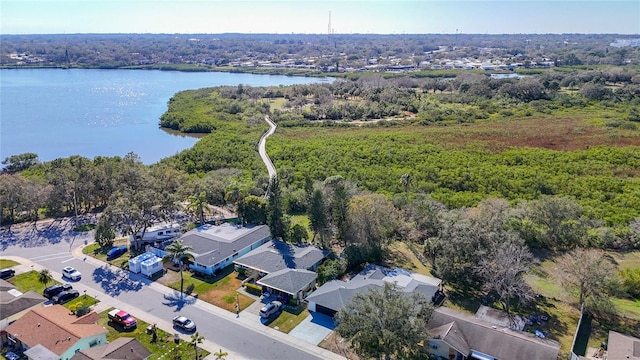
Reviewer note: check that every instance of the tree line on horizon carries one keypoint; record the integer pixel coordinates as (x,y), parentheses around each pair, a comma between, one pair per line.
(201,52)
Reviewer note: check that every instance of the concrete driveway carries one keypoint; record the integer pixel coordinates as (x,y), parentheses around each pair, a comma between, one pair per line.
(314,328)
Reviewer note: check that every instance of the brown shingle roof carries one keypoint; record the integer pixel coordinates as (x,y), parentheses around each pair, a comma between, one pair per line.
(54,328)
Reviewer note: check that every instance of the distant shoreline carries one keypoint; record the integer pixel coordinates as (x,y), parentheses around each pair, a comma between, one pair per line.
(187,68)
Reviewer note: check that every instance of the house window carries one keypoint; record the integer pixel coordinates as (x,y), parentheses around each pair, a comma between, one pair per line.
(93,343)
(160,233)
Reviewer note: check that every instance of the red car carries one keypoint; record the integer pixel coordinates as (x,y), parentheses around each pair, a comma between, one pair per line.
(122,318)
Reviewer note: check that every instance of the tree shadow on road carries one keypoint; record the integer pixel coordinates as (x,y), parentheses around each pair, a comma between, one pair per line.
(178,300)
(42,233)
(114,282)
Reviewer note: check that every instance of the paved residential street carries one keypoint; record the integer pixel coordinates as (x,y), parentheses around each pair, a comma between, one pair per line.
(243,337)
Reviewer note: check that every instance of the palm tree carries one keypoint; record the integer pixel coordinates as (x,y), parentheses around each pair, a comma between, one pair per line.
(178,250)
(195,340)
(197,203)
(44,277)
(220,354)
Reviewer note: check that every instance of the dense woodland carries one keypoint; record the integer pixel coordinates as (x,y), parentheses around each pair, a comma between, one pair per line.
(477,175)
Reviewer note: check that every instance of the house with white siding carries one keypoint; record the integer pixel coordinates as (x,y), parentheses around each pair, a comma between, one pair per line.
(214,247)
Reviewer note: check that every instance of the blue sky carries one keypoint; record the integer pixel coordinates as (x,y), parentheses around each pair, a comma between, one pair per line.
(312,17)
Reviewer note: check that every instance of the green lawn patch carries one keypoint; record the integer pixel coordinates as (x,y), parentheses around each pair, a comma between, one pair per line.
(302,220)
(163,347)
(82,300)
(220,290)
(289,318)
(29,282)
(6,263)
(100,253)
(563,313)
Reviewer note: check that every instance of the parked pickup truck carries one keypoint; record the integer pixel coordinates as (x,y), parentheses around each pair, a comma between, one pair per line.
(122,318)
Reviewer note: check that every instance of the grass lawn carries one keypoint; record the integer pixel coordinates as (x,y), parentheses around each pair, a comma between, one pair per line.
(161,348)
(82,300)
(563,312)
(400,255)
(6,263)
(29,282)
(289,318)
(277,104)
(220,290)
(99,253)
(302,220)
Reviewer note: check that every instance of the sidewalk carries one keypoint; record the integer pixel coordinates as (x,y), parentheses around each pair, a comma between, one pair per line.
(245,318)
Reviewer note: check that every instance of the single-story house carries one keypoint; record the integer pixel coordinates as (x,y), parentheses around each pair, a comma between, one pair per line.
(213,247)
(336,294)
(277,255)
(457,335)
(14,304)
(283,268)
(52,333)
(622,347)
(124,348)
(296,283)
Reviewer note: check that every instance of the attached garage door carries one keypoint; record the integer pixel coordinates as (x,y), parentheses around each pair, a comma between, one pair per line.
(325,310)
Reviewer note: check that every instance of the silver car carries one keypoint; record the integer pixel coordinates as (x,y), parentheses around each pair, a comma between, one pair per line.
(270,309)
(184,323)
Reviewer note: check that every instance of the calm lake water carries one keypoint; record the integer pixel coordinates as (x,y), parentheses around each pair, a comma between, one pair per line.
(57,113)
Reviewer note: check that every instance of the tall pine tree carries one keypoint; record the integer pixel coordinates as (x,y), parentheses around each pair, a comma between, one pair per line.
(275,216)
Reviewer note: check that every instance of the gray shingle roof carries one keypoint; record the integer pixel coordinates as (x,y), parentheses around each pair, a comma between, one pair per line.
(277,255)
(452,335)
(13,301)
(211,244)
(337,293)
(289,281)
(622,347)
(482,336)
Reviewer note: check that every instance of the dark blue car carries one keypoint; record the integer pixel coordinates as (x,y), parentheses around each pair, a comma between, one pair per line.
(116,251)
